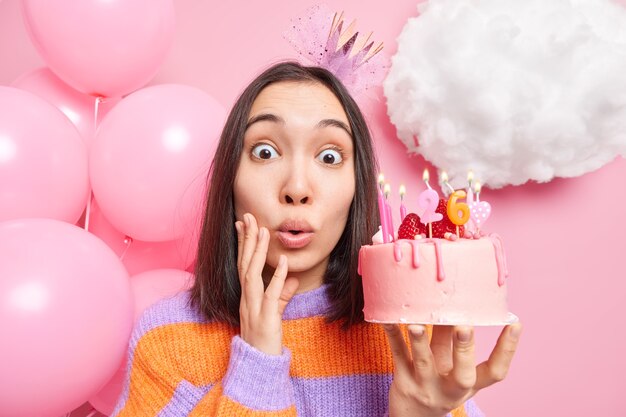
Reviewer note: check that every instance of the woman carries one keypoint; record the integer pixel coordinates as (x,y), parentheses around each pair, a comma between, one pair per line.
(273,325)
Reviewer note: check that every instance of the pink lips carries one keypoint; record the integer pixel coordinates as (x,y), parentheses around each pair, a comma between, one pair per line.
(295,234)
(292,241)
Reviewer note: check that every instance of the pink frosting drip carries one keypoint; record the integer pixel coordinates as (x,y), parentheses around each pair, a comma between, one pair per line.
(503,271)
(397,253)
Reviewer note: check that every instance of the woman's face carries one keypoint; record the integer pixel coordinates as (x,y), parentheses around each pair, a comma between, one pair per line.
(296,175)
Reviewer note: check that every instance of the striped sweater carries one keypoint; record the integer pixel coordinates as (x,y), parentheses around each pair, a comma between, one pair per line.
(180,364)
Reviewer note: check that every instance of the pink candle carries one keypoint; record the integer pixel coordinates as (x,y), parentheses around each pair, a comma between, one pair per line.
(427,201)
(382,208)
(390,228)
(402,208)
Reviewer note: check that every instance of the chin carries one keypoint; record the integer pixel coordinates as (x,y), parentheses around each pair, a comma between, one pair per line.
(303,262)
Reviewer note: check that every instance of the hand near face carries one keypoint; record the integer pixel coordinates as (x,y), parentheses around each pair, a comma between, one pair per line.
(434,378)
(261,309)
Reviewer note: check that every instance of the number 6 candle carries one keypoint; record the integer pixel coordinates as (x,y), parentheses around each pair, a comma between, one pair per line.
(459,213)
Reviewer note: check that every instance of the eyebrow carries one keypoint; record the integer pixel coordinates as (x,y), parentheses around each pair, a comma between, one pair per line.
(277,119)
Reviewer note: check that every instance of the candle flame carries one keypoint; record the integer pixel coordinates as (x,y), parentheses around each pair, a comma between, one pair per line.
(477,187)
(470,176)
(381,178)
(426,175)
(402,190)
(444,176)
(387,189)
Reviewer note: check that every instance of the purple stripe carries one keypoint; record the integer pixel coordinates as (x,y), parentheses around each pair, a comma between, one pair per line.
(257,380)
(350,396)
(184,400)
(308,304)
(472,410)
(343,396)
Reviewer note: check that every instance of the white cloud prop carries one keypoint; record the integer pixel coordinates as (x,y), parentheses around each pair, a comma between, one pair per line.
(516,90)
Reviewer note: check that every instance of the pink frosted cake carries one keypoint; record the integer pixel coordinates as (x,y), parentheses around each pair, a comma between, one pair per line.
(435,281)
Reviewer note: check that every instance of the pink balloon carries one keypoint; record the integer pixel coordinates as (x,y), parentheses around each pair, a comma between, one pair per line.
(150,158)
(102,48)
(78,107)
(66,313)
(139,256)
(43,160)
(148,288)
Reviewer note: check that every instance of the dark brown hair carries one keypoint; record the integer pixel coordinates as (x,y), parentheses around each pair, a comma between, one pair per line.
(216,292)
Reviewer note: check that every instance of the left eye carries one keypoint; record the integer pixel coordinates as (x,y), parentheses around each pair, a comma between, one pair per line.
(330,157)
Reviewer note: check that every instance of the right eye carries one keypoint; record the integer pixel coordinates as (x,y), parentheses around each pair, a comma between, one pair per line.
(264,151)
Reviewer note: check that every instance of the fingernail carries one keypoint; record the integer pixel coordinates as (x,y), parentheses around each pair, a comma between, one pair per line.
(238,227)
(417,331)
(261,233)
(463,335)
(281,261)
(246,220)
(515,332)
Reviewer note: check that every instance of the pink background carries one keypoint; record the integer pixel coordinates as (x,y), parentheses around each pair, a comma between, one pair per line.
(564,239)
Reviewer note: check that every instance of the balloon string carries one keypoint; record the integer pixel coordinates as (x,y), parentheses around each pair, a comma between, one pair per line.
(95,112)
(88,211)
(128,241)
(95,127)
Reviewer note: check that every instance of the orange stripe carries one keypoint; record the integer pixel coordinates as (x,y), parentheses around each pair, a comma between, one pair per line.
(201,350)
(363,349)
(212,405)
(459,412)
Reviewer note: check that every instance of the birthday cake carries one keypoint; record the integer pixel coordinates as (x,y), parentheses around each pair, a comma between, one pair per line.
(435,274)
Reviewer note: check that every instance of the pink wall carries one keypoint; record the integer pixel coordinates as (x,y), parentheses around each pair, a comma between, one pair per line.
(563,239)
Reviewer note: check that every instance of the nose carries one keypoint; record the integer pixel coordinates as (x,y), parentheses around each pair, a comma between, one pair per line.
(297,186)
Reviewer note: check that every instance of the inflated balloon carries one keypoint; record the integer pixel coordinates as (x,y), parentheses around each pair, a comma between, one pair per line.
(66,313)
(43,160)
(102,48)
(150,159)
(148,288)
(139,256)
(78,107)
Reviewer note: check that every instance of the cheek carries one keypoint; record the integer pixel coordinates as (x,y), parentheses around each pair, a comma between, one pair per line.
(252,194)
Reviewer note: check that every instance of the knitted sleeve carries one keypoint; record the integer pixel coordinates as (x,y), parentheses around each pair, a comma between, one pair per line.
(469,409)
(255,384)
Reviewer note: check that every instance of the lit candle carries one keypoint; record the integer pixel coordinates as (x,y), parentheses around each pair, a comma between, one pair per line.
(402,208)
(480,210)
(382,208)
(426,178)
(428,201)
(470,226)
(470,193)
(390,228)
(444,180)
